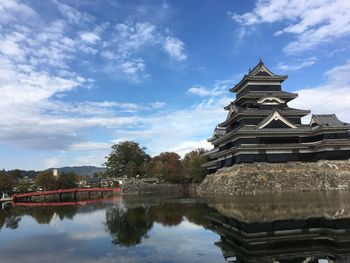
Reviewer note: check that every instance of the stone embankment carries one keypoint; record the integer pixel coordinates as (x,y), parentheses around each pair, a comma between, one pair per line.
(138,187)
(258,178)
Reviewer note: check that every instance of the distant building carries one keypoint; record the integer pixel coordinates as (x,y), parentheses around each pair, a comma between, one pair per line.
(90,182)
(150,180)
(55,172)
(260,127)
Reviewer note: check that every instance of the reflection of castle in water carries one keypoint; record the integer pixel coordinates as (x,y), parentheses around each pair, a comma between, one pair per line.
(308,238)
(302,227)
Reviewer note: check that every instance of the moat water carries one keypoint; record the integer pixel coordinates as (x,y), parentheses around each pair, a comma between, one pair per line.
(295,227)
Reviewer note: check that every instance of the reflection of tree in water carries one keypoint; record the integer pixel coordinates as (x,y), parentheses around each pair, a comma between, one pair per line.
(174,214)
(67,212)
(9,220)
(42,215)
(12,221)
(167,214)
(11,216)
(3,216)
(197,214)
(128,226)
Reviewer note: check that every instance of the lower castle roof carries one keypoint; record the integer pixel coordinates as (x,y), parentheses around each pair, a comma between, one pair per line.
(326,120)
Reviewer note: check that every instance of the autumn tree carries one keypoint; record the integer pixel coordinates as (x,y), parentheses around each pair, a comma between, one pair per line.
(167,166)
(46,180)
(192,165)
(126,158)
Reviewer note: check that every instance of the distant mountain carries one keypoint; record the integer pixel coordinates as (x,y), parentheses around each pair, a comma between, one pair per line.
(81,170)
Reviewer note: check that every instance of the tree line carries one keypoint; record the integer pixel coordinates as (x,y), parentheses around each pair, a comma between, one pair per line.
(14,181)
(129,159)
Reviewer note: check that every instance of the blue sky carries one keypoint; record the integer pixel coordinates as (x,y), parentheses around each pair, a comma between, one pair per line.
(78,76)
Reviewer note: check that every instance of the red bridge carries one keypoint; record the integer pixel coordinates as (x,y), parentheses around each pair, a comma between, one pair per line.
(64,191)
(75,203)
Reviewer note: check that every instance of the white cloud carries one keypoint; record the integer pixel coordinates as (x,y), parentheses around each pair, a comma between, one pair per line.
(296,66)
(333,96)
(72,14)
(158,105)
(11,10)
(10,48)
(175,48)
(186,147)
(89,146)
(134,69)
(131,37)
(312,22)
(88,235)
(205,92)
(51,162)
(89,37)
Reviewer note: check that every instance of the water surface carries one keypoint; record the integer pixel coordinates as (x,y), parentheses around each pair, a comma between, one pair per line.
(266,228)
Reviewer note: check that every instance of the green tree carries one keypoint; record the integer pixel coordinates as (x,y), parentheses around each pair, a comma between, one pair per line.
(15,174)
(100,174)
(131,169)
(126,158)
(192,165)
(46,180)
(67,180)
(7,181)
(23,185)
(167,166)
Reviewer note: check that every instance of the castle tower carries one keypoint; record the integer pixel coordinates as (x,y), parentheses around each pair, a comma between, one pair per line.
(261,127)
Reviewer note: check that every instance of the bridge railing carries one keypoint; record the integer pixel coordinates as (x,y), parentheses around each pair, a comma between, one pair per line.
(61,191)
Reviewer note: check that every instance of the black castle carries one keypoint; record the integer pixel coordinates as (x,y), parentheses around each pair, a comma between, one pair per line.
(260,127)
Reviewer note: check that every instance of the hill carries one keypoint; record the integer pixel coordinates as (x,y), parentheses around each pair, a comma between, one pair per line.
(81,170)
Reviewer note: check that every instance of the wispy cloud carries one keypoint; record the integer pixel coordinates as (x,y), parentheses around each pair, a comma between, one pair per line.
(297,65)
(312,22)
(11,10)
(175,47)
(205,92)
(130,39)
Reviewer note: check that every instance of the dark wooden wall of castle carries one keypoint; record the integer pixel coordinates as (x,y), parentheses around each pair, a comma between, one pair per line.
(286,157)
(266,88)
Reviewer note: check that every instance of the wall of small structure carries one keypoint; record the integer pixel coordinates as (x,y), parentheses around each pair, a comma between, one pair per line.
(138,187)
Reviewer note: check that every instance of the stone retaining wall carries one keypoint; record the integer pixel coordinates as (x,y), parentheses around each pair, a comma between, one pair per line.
(138,187)
(255,178)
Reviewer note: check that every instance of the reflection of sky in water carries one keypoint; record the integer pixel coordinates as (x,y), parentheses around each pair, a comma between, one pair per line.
(85,239)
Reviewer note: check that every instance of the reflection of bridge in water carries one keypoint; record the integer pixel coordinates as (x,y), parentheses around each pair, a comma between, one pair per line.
(60,192)
(69,203)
